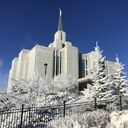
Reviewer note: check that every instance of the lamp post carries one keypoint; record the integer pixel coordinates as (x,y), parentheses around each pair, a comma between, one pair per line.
(45,68)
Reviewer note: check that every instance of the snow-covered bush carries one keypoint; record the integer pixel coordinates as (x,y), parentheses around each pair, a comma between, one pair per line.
(65,87)
(1,100)
(111,107)
(86,120)
(32,92)
(65,84)
(89,93)
(5,101)
(40,92)
(119,119)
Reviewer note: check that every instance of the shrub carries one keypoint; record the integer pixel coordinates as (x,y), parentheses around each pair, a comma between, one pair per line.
(97,118)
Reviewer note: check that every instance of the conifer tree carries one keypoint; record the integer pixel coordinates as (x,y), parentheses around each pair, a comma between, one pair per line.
(100,78)
(119,81)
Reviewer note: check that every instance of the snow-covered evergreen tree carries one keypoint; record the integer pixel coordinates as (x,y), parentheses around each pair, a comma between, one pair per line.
(100,78)
(119,82)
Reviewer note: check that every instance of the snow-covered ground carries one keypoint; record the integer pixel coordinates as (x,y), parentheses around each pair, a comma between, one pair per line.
(95,119)
(119,119)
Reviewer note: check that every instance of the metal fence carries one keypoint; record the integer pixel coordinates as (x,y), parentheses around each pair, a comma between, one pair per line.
(30,117)
(39,117)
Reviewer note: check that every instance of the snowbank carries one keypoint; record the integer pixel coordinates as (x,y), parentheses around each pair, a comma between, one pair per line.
(94,119)
(119,119)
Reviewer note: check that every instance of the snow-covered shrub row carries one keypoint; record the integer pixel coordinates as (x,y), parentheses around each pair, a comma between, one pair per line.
(86,120)
(39,92)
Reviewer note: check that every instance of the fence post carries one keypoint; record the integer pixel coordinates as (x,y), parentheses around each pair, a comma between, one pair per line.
(64,108)
(95,103)
(29,115)
(21,119)
(120,103)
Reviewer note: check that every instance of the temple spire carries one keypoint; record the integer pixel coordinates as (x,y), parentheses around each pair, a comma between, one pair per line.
(60,26)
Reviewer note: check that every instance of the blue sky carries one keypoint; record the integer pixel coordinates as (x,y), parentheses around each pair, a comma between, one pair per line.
(24,23)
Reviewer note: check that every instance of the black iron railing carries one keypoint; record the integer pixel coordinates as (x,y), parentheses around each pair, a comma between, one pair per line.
(38,117)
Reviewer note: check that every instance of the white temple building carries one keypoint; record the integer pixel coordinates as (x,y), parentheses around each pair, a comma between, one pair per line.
(60,57)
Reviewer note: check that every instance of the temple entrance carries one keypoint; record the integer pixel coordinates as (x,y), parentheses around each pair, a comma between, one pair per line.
(84,85)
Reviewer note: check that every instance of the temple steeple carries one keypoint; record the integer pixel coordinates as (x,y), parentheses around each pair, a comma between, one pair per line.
(60,25)
(60,35)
